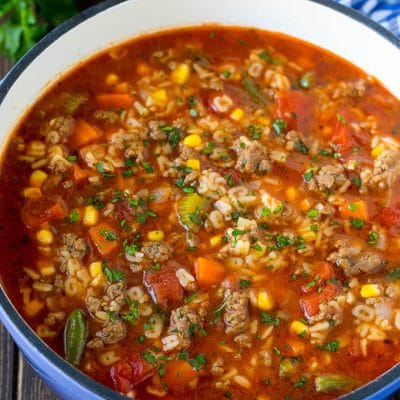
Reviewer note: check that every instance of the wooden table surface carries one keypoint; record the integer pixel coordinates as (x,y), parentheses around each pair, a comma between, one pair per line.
(17,379)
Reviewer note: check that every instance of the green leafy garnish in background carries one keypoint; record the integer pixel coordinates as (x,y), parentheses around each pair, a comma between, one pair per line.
(24,22)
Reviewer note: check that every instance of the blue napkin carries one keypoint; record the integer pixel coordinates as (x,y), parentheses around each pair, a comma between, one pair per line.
(385,12)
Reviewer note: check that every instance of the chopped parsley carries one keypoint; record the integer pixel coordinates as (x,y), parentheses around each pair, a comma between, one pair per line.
(313,213)
(341,119)
(226,74)
(100,170)
(373,238)
(357,223)
(301,147)
(301,382)
(109,235)
(133,314)
(245,283)
(308,175)
(279,125)
(394,274)
(150,357)
(191,297)
(332,346)
(74,217)
(356,181)
(198,361)
(112,275)
(269,319)
(147,167)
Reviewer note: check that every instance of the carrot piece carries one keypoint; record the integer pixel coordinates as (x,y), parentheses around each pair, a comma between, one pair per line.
(354,209)
(114,100)
(84,133)
(208,271)
(294,347)
(104,238)
(178,374)
(324,271)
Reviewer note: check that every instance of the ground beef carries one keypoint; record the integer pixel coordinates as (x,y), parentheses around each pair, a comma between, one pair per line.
(236,312)
(386,169)
(93,304)
(112,331)
(72,248)
(59,130)
(328,311)
(349,89)
(157,251)
(108,116)
(330,177)
(184,321)
(95,344)
(155,131)
(114,297)
(252,156)
(132,143)
(354,260)
(54,319)
(244,340)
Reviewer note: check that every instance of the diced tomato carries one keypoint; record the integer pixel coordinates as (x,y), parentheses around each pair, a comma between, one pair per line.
(323,271)
(36,212)
(127,374)
(341,137)
(389,217)
(78,174)
(293,347)
(295,107)
(310,302)
(163,285)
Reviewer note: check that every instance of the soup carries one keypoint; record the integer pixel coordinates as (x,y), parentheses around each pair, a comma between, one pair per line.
(209,210)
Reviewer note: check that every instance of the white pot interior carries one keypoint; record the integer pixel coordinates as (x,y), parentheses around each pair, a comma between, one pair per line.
(304,19)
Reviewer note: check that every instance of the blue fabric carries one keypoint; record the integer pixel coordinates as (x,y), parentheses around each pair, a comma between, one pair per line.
(385,12)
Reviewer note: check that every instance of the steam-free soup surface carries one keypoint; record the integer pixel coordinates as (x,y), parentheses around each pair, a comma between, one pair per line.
(209,211)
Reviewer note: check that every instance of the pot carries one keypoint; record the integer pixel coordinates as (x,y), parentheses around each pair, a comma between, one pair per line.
(322,22)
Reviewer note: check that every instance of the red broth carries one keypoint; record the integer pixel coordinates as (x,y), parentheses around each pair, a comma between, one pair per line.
(209,210)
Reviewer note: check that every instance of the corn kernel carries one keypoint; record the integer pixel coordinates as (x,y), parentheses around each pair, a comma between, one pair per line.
(193,163)
(193,140)
(298,328)
(48,271)
(95,269)
(44,237)
(91,216)
(291,193)
(215,240)
(32,193)
(377,151)
(155,236)
(111,79)
(37,178)
(237,114)
(33,308)
(97,281)
(160,96)
(264,301)
(181,74)
(305,205)
(370,290)
(309,236)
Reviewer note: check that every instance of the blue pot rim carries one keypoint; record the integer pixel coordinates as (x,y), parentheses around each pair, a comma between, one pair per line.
(379,388)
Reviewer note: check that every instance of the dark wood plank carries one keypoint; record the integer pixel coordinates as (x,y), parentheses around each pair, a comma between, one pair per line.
(8,358)
(30,386)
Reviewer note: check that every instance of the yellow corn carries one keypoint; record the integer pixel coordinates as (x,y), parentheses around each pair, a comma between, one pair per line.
(309,236)
(111,79)
(264,301)
(193,163)
(193,140)
(143,69)
(44,237)
(37,178)
(370,290)
(32,193)
(48,271)
(237,114)
(160,96)
(298,328)
(91,216)
(291,193)
(181,74)
(33,308)
(155,236)
(215,240)
(95,269)
(377,151)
